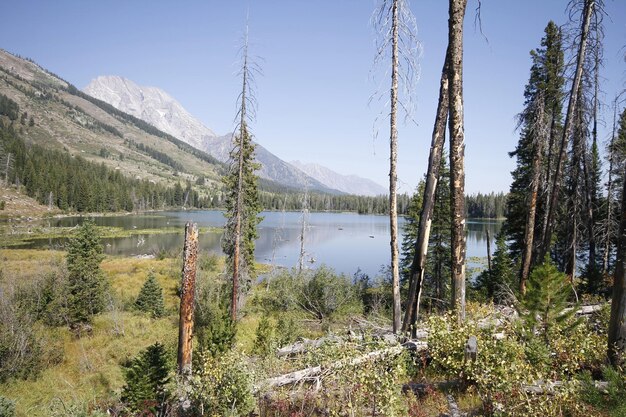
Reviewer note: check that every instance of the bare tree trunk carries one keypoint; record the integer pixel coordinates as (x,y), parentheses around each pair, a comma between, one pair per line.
(567,130)
(529,232)
(393,157)
(617,323)
(488,251)
(303,232)
(434,163)
(609,199)
(457,155)
(188,289)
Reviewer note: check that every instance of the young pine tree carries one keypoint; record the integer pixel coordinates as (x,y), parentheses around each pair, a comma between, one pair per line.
(146,377)
(87,285)
(150,298)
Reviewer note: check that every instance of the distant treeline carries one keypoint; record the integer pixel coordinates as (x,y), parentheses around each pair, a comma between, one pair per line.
(9,108)
(491,206)
(332,202)
(155,154)
(73,183)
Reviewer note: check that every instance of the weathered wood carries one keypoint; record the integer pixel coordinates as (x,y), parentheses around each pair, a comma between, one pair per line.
(550,387)
(457,155)
(453,407)
(311,372)
(471,349)
(188,285)
(418,265)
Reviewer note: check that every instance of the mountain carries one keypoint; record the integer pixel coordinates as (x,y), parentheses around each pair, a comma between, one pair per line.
(352,184)
(64,118)
(159,109)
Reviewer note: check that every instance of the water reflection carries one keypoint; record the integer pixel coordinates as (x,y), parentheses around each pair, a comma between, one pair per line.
(344,241)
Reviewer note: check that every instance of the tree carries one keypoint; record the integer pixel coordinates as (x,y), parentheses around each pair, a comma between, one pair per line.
(242,199)
(418,267)
(395,22)
(146,377)
(86,282)
(540,122)
(150,298)
(457,154)
(551,209)
(502,274)
(617,322)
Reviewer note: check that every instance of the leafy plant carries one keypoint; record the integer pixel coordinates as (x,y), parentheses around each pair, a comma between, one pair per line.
(222,386)
(7,407)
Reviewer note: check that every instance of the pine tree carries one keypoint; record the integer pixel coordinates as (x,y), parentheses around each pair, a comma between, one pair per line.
(146,377)
(150,298)
(544,305)
(242,197)
(540,124)
(411,230)
(86,282)
(502,274)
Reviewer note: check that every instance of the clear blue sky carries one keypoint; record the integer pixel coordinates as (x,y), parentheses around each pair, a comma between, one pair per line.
(317,56)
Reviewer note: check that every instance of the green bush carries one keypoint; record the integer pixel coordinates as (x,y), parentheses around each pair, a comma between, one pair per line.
(7,407)
(3,204)
(613,400)
(222,386)
(150,298)
(326,295)
(146,377)
(265,340)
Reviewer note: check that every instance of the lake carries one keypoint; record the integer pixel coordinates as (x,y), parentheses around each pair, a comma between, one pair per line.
(343,241)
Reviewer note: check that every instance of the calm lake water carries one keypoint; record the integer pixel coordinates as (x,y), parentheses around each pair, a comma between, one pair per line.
(343,241)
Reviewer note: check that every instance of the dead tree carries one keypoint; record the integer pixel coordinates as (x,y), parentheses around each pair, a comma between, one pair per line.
(617,323)
(396,27)
(187,297)
(457,154)
(418,266)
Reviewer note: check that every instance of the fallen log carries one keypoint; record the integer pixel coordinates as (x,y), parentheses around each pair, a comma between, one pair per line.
(311,372)
(550,387)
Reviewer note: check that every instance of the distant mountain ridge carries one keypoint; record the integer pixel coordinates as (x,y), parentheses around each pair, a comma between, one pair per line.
(351,184)
(159,109)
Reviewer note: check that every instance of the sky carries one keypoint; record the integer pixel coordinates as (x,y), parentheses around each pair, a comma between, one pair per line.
(317,68)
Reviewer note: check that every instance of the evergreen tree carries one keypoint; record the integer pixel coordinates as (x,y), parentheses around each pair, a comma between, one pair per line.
(146,377)
(540,123)
(242,199)
(86,282)
(544,305)
(411,230)
(150,298)
(502,274)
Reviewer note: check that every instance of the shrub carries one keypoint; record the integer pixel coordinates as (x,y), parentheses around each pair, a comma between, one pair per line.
(222,386)
(613,400)
(2,204)
(150,298)
(326,295)
(265,340)
(7,407)
(146,377)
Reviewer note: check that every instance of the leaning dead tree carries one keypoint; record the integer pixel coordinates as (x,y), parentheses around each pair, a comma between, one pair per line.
(457,154)
(396,29)
(418,267)
(187,297)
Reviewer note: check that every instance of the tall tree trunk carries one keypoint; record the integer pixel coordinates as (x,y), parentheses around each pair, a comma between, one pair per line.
(567,130)
(187,297)
(393,157)
(529,232)
(434,163)
(609,199)
(457,155)
(617,323)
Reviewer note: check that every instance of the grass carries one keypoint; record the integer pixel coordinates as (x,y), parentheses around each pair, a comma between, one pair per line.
(90,369)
